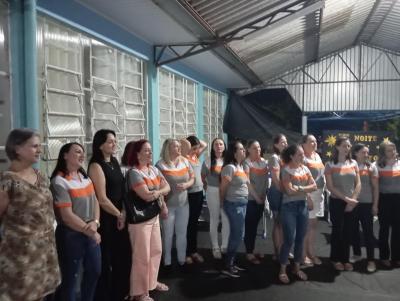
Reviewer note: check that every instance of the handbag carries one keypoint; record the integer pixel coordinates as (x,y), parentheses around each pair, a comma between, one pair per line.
(137,209)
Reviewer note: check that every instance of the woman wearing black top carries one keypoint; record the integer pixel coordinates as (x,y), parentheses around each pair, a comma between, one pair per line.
(108,181)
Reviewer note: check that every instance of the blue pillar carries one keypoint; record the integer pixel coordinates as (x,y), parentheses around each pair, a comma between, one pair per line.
(154,111)
(17,64)
(30,56)
(200,110)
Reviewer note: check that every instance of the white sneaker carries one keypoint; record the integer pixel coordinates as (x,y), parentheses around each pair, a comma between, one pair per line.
(355,258)
(217,253)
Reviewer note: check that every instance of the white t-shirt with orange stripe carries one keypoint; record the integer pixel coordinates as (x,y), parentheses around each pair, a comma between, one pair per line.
(389,178)
(300,176)
(151,178)
(212,173)
(317,169)
(175,174)
(367,173)
(257,172)
(343,176)
(76,192)
(237,179)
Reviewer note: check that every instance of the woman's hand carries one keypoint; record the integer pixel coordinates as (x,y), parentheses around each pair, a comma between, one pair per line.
(310,203)
(181,186)
(121,220)
(97,238)
(164,211)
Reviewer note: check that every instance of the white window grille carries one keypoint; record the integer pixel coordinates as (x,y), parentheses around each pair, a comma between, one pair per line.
(213,115)
(87,86)
(177,106)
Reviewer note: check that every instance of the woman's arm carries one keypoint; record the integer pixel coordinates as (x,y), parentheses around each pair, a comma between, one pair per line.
(254,194)
(203,146)
(357,187)
(375,195)
(275,177)
(97,176)
(223,187)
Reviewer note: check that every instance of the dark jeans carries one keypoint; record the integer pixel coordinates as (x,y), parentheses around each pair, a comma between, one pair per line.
(195,206)
(342,230)
(116,255)
(363,215)
(294,219)
(236,212)
(254,213)
(73,249)
(389,217)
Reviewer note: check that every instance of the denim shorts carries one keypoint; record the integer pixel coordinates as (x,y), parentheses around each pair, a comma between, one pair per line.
(274,199)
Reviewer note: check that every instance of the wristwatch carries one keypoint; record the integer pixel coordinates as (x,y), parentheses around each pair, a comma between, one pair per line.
(97,223)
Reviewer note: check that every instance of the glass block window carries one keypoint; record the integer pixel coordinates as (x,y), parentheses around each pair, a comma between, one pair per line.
(177,106)
(213,115)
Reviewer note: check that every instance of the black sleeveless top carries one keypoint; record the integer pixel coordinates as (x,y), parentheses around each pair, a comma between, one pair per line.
(115,187)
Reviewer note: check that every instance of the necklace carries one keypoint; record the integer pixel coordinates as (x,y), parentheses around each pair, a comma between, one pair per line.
(109,164)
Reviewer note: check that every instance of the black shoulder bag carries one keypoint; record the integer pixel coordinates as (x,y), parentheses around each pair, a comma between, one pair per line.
(137,209)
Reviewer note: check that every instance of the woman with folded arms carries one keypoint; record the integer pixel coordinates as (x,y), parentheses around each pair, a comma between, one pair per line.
(297,182)
(149,185)
(343,181)
(179,174)
(314,163)
(256,169)
(368,198)
(77,209)
(210,174)
(389,204)
(234,190)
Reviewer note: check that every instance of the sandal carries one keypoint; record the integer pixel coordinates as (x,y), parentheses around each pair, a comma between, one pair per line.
(260,255)
(315,260)
(252,259)
(348,267)
(301,275)
(143,297)
(283,277)
(189,260)
(197,258)
(338,266)
(161,287)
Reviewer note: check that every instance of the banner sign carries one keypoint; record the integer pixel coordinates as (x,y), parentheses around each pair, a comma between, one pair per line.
(371,139)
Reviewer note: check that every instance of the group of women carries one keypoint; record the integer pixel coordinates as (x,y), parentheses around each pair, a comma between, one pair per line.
(121,259)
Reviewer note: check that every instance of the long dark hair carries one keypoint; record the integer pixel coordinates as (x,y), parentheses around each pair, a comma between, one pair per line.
(276,140)
(61,166)
(125,155)
(213,158)
(230,153)
(356,148)
(100,138)
(335,155)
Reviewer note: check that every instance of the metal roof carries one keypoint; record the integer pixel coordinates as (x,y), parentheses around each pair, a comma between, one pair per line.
(305,37)
(258,39)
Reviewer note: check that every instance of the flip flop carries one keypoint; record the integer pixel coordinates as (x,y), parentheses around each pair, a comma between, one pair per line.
(253,259)
(301,275)
(161,287)
(283,277)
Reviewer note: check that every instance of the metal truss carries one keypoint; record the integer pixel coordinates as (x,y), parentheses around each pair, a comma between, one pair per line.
(285,12)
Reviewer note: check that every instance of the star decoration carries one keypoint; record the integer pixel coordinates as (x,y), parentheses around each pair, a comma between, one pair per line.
(331,140)
(329,154)
(386,140)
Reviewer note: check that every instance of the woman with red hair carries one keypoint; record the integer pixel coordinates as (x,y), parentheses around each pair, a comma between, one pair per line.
(149,184)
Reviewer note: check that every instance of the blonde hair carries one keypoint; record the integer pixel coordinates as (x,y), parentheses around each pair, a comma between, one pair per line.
(185,146)
(165,154)
(382,149)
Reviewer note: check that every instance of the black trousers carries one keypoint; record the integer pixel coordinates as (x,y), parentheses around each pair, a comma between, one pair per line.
(363,215)
(389,219)
(195,206)
(342,228)
(113,284)
(254,213)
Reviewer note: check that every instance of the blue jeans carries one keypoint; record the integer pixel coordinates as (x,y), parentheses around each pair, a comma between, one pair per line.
(236,212)
(73,249)
(254,213)
(294,219)
(274,199)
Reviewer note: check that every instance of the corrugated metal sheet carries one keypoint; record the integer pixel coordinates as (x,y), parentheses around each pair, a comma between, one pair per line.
(361,78)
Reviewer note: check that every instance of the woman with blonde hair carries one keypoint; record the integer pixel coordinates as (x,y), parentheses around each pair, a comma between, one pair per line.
(389,204)
(179,175)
